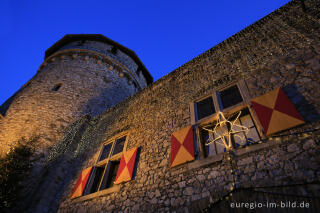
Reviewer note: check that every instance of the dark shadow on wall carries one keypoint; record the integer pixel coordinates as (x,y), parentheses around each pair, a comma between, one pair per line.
(306,110)
(50,179)
(136,163)
(107,98)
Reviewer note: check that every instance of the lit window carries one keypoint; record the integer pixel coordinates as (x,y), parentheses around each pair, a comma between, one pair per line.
(230,102)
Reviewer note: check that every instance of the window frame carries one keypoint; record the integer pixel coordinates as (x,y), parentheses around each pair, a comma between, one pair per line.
(243,90)
(106,163)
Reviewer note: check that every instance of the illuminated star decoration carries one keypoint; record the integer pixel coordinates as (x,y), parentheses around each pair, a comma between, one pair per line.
(226,135)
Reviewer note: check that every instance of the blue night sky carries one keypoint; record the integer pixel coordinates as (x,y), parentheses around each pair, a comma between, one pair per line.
(164,34)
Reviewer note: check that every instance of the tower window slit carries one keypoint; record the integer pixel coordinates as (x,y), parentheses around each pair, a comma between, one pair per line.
(56,87)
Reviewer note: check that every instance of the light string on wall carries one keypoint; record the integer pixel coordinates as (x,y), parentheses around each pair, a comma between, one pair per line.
(228,129)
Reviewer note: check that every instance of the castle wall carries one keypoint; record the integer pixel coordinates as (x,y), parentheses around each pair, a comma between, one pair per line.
(88,82)
(281,50)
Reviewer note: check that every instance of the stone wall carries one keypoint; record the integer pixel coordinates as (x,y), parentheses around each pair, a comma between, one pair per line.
(281,50)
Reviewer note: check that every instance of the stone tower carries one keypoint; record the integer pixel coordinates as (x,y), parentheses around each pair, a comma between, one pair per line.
(80,75)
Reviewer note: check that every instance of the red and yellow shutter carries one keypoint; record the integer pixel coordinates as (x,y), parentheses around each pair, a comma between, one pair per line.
(81,183)
(126,167)
(276,112)
(182,149)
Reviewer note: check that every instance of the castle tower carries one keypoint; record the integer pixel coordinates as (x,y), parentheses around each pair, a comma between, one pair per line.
(81,74)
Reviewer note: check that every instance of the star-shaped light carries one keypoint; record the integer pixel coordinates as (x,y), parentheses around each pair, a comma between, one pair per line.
(225,136)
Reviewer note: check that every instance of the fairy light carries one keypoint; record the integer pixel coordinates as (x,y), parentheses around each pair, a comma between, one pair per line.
(225,136)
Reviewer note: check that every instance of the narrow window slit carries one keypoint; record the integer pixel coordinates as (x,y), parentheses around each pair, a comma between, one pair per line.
(56,87)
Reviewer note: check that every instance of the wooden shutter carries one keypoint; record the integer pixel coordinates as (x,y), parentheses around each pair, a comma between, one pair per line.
(182,148)
(276,112)
(81,183)
(127,165)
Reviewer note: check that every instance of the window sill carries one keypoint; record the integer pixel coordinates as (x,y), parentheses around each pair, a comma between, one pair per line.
(110,190)
(213,159)
(205,161)
(256,147)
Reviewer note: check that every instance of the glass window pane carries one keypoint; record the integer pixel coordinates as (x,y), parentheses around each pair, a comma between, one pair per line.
(205,108)
(97,178)
(220,146)
(110,175)
(211,149)
(237,128)
(220,130)
(119,144)
(105,152)
(253,135)
(230,97)
(246,121)
(113,173)
(240,139)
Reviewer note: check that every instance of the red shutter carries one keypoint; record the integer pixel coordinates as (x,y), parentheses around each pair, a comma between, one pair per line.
(81,183)
(276,112)
(182,149)
(126,167)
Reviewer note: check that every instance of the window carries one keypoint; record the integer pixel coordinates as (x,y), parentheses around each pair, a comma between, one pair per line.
(231,101)
(105,170)
(114,50)
(56,87)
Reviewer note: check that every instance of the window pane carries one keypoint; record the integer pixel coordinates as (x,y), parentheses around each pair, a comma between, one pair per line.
(219,143)
(220,146)
(237,128)
(105,152)
(205,108)
(240,139)
(97,178)
(246,121)
(230,97)
(118,147)
(215,147)
(253,135)
(211,149)
(111,174)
